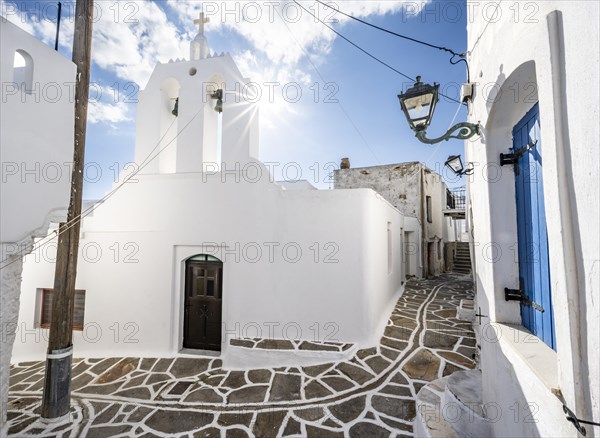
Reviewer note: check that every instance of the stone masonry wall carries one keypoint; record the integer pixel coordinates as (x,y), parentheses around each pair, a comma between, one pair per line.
(10,290)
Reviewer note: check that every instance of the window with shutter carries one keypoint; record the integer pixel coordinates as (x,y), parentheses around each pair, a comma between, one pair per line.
(78,310)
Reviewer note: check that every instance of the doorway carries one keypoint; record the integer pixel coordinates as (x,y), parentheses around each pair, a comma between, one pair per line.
(203,303)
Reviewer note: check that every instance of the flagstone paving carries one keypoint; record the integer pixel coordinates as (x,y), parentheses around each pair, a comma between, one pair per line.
(370,395)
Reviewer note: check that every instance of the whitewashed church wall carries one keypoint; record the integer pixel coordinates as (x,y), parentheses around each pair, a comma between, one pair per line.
(509,84)
(131,264)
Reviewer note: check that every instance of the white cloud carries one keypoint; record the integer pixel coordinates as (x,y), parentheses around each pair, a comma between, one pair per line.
(111,113)
(130,38)
(10,12)
(281,30)
(281,35)
(105,106)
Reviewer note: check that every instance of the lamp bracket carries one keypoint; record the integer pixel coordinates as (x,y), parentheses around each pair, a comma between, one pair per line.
(465,131)
(469,170)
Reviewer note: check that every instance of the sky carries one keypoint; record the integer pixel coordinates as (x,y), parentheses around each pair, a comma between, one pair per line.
(328,100)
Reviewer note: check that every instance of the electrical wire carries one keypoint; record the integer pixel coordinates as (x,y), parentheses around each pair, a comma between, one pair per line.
(324,81)
(454,54)
(391,32)
(476,43)
(439,144)
(365,51)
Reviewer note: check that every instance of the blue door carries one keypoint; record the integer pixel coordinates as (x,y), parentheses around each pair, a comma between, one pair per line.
(534,270)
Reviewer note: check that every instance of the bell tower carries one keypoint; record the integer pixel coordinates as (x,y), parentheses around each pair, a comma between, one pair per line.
(192,115)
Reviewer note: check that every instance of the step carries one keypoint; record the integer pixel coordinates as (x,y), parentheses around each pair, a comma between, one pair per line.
(464,392)
(428,422)
(462,259)
(461,271)
(452,407)
(466,311)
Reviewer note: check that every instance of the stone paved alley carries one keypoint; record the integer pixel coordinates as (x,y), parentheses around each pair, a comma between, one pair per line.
(371,395)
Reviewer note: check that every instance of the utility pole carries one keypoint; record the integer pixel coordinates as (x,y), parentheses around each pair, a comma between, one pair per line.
(57,384)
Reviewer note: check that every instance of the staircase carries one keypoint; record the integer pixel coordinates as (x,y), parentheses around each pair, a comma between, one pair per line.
(452,407)
(462,258)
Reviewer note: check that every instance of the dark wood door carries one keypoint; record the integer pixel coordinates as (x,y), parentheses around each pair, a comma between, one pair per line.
(203,305)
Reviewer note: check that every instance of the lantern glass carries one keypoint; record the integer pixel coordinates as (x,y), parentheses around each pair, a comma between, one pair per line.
(418,108)
(455,164)
(418,104)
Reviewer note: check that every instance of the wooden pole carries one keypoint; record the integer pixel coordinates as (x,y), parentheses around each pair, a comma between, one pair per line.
(57,384)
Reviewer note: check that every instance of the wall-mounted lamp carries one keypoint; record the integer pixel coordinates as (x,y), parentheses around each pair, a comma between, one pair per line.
(454,163)
(218,95)
(418,105)
(175,111)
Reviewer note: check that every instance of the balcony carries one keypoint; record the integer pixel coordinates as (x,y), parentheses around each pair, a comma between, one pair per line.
(456,200)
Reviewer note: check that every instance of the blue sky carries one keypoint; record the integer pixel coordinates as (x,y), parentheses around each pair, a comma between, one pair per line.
(366,124)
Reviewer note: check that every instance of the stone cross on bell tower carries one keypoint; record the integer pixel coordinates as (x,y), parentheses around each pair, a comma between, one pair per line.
(199,46)
(201,21)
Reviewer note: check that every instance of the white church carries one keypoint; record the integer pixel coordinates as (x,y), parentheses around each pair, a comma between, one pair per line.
(189,256)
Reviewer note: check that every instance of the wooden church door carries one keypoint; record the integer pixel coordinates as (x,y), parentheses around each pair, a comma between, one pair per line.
(534,270)
(203,303)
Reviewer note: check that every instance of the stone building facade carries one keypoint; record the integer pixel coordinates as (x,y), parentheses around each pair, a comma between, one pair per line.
(416,191)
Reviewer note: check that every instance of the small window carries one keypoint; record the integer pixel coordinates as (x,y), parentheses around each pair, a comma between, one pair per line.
(46,308)
(23,71)
(428,205)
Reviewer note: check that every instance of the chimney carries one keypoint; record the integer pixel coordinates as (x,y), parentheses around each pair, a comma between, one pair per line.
(345,164)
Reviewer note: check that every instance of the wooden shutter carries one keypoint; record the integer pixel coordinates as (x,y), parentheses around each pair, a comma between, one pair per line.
(78,311)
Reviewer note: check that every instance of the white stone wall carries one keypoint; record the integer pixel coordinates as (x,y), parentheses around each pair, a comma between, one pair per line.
(36,148)
(10,288)
(562,74)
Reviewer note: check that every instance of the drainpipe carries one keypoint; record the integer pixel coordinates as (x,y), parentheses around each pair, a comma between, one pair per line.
(579,393)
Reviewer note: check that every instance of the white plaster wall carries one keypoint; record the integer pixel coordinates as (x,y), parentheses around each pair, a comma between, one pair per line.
(36,147)
(36,137)
(567,90)
(163,219)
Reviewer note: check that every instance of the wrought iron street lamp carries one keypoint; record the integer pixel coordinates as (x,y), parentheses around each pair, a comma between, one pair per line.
(418,104)
(454,163)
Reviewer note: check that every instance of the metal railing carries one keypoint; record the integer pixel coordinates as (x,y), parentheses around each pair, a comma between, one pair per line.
(456,199)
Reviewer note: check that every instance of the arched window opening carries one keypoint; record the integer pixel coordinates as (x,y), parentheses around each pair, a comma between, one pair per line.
(169,126)
(23,71)
(213,125)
